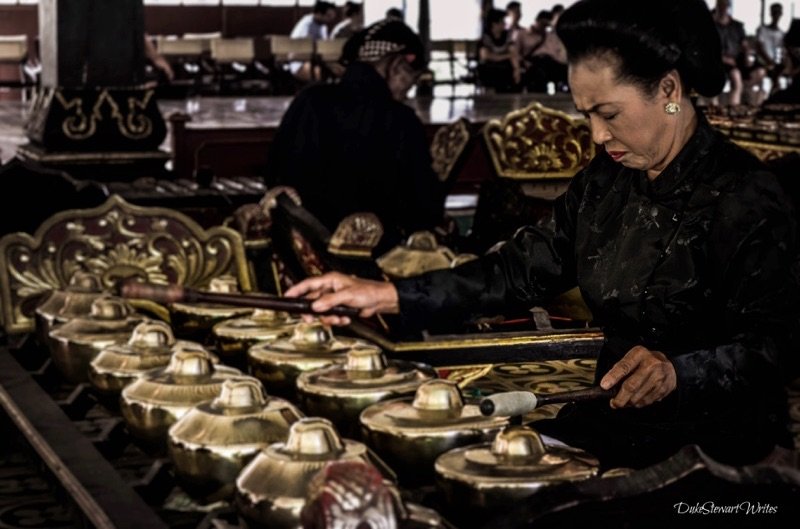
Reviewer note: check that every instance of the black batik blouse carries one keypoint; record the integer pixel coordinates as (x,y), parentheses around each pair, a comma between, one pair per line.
(697,264)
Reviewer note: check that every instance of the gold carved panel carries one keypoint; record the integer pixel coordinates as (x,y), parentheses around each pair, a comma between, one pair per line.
(767,152)
(115,240)
(538,142)
(356,236)
(448,146)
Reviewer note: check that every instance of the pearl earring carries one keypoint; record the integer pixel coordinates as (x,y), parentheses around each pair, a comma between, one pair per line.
(672,108)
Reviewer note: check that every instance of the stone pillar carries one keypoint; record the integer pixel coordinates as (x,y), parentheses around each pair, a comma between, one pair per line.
(91,42)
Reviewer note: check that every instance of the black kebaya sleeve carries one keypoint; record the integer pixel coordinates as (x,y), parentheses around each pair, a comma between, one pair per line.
(753,246)
(533,265)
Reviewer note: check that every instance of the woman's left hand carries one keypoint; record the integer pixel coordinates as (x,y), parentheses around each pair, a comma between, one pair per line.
(647,377)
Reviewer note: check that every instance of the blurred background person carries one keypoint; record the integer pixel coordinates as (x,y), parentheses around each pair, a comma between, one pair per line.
(498,58)
(769,42)
(312,26)
(352,23)
(731,35)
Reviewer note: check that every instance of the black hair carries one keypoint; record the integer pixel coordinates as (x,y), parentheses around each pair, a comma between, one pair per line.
(513,5)
(352,9)
(494,16)
(647,40)
(544,14)
(558,8)
(393,12)
(323,7)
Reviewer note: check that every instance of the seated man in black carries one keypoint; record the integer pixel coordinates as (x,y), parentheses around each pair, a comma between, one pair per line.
(355,147)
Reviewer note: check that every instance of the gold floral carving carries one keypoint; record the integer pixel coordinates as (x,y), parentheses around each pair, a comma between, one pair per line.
(115,240)
(767,152)
(133,124)
(538,142)
(356,235)
(447,147)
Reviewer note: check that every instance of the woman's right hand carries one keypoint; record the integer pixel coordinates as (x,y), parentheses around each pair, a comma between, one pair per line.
(334,288)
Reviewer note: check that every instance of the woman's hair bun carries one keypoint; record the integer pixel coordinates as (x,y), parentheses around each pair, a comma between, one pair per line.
(650,37)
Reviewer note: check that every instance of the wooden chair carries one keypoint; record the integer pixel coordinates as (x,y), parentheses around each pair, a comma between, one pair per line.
(115,240)
(327,56)
(233,59)
(186,58)
(329,50)
(285,49)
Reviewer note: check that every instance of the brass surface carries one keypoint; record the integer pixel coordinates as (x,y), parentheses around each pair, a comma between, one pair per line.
(193,319)
(76,343)
(213,442)
(235,336)
(410,435)
(341,392)
(271,490)
(149,346)
(538,142)
(312,345)
(418,255)
(115,241)
(511,468)
(161,396)
(62,305)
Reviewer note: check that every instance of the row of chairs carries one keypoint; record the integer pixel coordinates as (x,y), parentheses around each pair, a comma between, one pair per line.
(211,62)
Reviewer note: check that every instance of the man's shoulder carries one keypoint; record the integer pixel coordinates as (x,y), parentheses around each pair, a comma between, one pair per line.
(316,96)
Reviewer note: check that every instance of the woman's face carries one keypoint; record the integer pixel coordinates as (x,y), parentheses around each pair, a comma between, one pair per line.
(631,125)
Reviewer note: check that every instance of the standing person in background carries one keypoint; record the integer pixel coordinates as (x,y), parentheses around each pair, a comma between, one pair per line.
(514,15)
(352,23)
(498,57)
(731,35)
(312,26)
(769,42)
(791,43)
(356,146)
